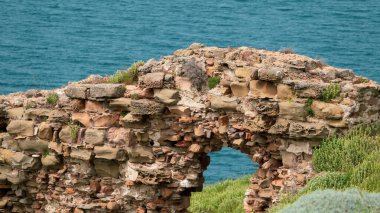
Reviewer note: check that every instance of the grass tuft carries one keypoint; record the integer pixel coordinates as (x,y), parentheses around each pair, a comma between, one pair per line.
(74,130)
(52,99)
(213,82)
(126,76)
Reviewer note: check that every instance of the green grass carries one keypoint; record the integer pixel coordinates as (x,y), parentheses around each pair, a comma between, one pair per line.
(52,98)
(331,92)
(223,197)
(126,76)
(213,82)
(349,161)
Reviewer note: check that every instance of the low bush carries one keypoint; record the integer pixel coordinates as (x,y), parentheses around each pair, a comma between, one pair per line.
(349,161)
(335,201)
(331,92)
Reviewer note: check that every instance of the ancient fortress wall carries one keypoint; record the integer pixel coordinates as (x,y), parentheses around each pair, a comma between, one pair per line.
(143,147)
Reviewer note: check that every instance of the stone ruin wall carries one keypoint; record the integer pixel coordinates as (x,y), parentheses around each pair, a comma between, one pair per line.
(143,147)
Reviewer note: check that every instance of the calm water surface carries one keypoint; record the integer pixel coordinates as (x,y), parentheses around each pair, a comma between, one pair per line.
(45,44)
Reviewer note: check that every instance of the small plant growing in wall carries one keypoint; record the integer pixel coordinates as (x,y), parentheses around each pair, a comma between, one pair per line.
(331,92)
(308,108)
(127,76)
(213,82)
(52,99)
(45,153)
(74,130)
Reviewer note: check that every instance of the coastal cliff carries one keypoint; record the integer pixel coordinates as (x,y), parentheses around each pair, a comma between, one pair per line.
(138,141)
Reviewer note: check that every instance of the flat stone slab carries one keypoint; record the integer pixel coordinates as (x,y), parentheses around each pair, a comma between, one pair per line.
(145,107)
(95,91)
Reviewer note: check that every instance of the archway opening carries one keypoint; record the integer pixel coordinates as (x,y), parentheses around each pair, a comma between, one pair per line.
(227,179)
(228,163)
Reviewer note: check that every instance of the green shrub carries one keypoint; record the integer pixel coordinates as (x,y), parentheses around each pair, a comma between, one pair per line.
(223,197)
(343,153)
(52,98)
(213,82)
(308,108)
(349,161)
(335,201)
(331,92)
(127,76)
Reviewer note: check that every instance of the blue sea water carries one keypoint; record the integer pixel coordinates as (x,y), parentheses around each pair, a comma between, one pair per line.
(45,44)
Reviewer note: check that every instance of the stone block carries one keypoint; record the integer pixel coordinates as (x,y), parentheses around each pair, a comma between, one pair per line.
(107,168)
(22,161)
(244,72)
(299,147)
(292,111)
(223,102)
(140,154)
(121,136)
(262,89)
(100,91)
(280,127)
(95,136)
(289,160)
(83,118)
(166,96)
(145,107)
(106,120)
(307,130)
(180,110)
(15,113)
(108,153)
(259,123)
(239,89)
(284,92)
(120,103)
(94,106)
(33,145)
(21,128)
(152,80)
(78,91)
(82,154)
(324,110)
(270,74)
(50,160)
(64,134)
(45,131)
(183,83)
(269,108)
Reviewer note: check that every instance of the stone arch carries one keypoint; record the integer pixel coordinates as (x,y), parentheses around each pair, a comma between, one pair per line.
(143,147)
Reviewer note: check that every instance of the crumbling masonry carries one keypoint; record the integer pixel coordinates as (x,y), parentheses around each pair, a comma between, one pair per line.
(143,148)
